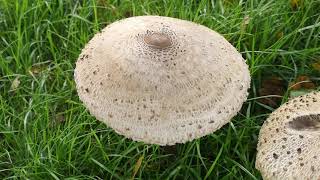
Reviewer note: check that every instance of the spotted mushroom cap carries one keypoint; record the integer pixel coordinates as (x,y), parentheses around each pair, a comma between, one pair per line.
(289,140)
(161,80)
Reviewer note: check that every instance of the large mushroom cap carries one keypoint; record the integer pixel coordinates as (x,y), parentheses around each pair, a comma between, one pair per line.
(289,140)
(161,80)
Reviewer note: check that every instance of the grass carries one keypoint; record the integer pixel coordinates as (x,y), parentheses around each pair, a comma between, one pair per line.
(45,131)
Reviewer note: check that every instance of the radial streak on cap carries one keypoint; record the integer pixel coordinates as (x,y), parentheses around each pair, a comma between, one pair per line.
(161,80)
(289,140)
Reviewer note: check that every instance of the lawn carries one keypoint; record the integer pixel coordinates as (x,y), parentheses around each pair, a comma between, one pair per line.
(46,132)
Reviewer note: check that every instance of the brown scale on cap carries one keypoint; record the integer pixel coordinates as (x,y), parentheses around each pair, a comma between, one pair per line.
(162,80)
(295,127)
(307,122)
(157,40)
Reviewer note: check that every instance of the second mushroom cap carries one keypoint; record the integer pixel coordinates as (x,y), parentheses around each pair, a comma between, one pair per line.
(289,140)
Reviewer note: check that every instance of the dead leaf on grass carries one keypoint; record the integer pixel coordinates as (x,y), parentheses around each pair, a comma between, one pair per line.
(137,166)
(274,86)
(36,69)
(302,82)
(300,86)
(245,22)
(279,35)
(15,84)
(295,4)
(316,66)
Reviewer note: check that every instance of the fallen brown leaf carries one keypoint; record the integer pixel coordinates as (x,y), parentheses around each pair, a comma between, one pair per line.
(302,82)
(275,86)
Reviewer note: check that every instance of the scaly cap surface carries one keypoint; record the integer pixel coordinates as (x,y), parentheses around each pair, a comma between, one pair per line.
(161,80)
(289,140)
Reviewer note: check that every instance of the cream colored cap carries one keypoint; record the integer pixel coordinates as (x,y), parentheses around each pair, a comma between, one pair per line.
(161,80)
(289,140)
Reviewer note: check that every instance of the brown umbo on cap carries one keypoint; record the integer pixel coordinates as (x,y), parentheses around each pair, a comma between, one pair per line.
(161,80)
(289,140)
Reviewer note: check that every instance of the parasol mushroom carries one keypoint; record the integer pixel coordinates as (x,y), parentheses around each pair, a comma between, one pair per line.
(161,80)
(289,140)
